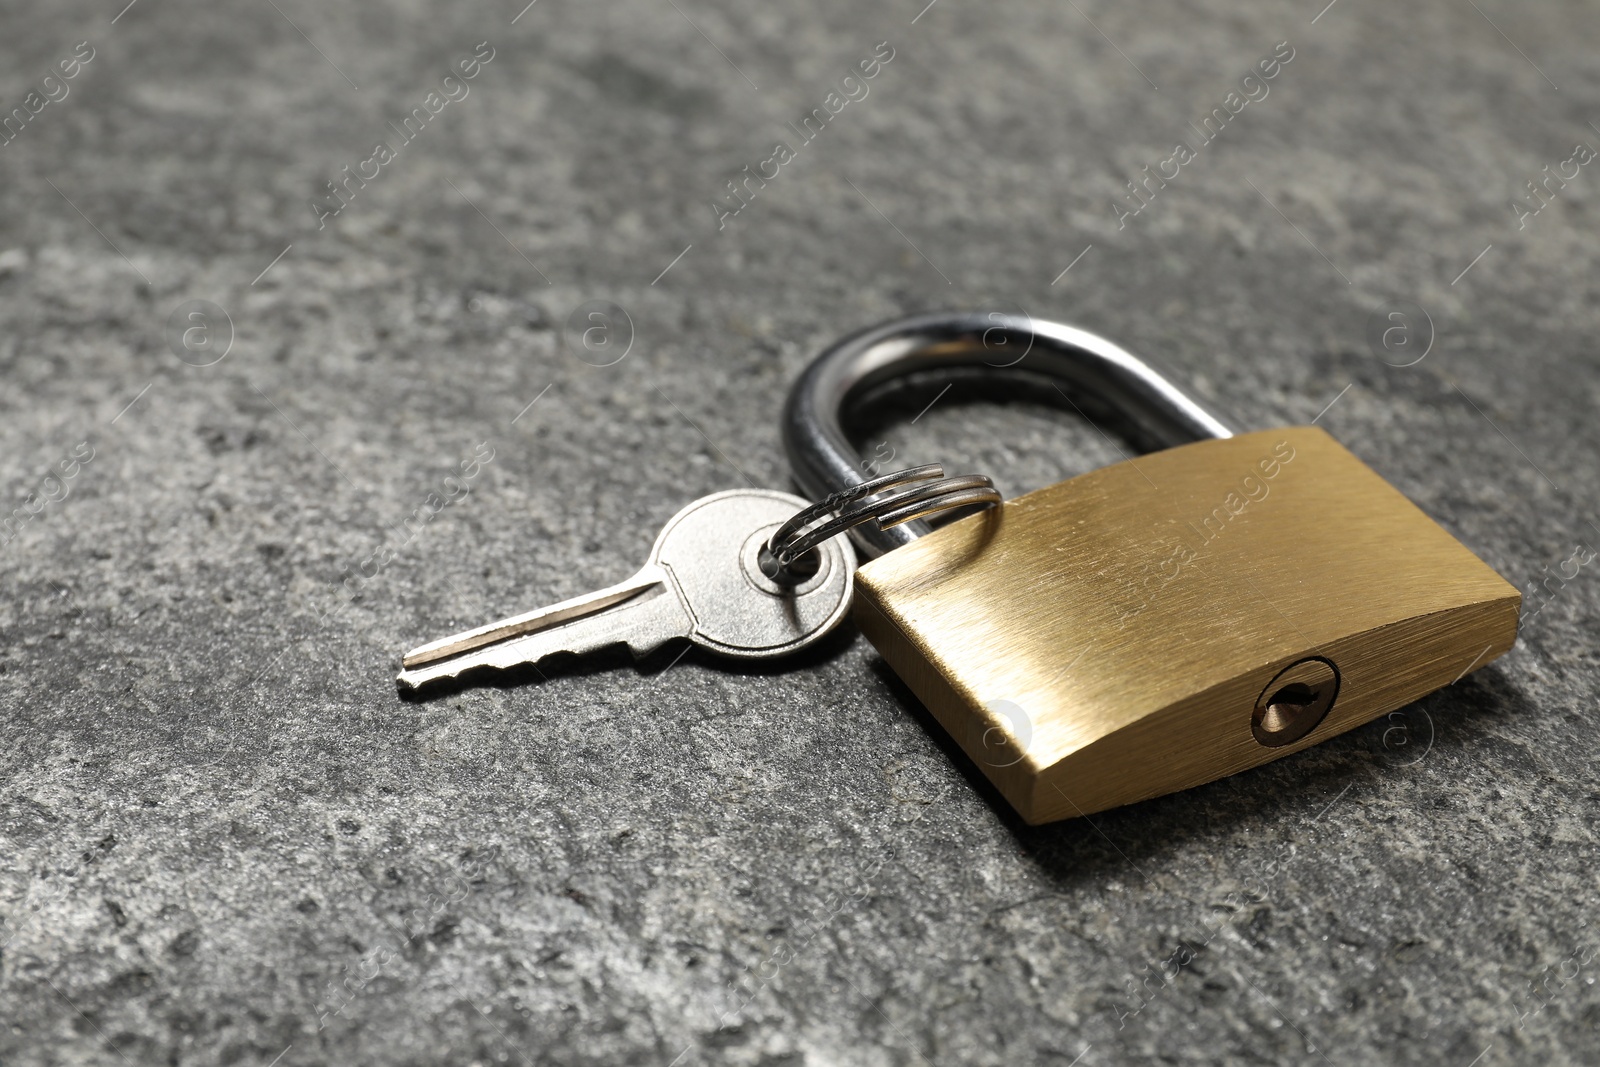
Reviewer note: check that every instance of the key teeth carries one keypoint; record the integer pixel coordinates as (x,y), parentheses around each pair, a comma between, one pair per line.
(414,678)
(419,679)
(450,669)
(454,668)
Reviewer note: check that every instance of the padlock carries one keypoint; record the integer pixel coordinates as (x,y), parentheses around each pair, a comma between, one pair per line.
(1158,623)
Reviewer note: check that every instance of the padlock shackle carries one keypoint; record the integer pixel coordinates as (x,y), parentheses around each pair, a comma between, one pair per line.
(970,345)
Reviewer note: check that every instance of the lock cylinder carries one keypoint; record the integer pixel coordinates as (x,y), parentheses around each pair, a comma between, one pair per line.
(1294,702)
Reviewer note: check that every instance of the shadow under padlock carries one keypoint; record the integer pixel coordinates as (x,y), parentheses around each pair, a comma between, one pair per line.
(1158,623)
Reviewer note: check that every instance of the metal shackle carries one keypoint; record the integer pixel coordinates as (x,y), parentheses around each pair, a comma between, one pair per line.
(963,347)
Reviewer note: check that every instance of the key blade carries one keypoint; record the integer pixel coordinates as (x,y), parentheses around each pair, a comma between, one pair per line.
(531,621)
(643,613)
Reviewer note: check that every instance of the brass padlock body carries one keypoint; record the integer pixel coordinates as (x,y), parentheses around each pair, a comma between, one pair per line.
(1113,637)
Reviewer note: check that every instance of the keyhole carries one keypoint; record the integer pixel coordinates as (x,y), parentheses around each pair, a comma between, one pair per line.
(1294,702)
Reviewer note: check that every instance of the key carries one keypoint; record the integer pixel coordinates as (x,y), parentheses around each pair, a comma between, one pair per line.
(703,581)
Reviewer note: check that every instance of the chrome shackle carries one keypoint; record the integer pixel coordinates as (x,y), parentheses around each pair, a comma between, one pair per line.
(1020,354)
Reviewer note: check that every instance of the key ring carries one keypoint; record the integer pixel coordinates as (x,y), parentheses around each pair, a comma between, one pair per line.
(888,501)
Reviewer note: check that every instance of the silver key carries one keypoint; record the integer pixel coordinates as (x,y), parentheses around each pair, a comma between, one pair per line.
(702,581)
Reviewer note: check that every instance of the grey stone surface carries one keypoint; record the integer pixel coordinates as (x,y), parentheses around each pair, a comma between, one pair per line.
(227,840)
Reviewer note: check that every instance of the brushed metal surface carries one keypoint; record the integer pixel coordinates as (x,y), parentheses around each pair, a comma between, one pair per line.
(1105,640)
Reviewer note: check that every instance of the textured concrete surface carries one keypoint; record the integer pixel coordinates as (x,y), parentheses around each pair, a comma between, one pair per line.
(226,840)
